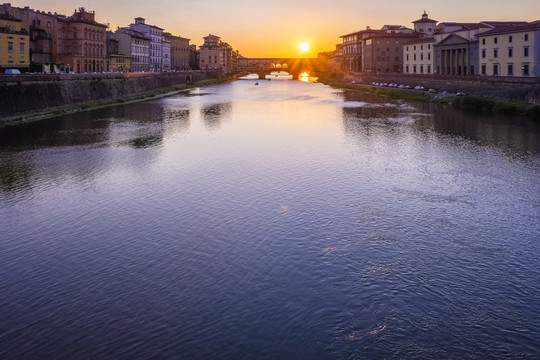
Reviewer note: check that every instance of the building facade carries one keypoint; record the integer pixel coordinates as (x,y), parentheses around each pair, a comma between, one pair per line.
(14,43)
(118,62)
(166,55)
(425,25)
(156,42)
(136,45)
(179,52)
(456,48)
(82,42)
(510,50)
(383,52)
(333,60)
(376,50)
(193,57)
(352,49)
(212,54)
(41,27)
(418,57)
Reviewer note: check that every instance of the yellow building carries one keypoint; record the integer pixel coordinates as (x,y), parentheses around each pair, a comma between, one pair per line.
(120,63)
(14,43)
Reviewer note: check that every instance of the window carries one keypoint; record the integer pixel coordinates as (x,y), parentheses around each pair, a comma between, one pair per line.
(495,69)
(407,58)
(483,41)
(414,69)
(429,69)
(429,56)
(421,69)
(510,52)
(21,48)
(525,69)
(414,57)
(510,69)
(483,53)
(414,47)
(422,56)
(526,37)
(421,47)
(510,39)
(10,46)
(495,53)
(494,40)
(526,51)
(429,46)
(407,69)
(483,69)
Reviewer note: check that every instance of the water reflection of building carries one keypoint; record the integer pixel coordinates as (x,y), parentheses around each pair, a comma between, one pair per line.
(214,114)
(515,136)
(15,172)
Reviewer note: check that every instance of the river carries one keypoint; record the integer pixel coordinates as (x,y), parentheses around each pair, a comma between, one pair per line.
(284,220)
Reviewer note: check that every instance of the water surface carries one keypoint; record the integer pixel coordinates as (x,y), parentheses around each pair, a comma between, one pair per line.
(287,220)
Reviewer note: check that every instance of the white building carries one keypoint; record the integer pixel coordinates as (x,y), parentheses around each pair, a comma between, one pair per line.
(418,56)
(136,45)
(166,55)
(511,50)
(156,42)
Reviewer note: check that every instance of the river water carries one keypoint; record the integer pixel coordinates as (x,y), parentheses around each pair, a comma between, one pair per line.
(287,220)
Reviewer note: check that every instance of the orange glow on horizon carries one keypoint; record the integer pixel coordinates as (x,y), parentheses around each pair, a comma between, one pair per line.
(259,33)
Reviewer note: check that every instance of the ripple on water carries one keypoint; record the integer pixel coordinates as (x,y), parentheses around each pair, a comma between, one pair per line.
(280,221)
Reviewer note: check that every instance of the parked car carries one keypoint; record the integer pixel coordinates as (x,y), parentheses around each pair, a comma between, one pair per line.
(13,71)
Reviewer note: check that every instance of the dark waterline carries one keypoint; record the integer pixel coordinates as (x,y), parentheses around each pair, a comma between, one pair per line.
(282,221)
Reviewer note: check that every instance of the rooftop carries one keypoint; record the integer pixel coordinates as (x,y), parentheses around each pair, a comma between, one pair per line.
(532,26)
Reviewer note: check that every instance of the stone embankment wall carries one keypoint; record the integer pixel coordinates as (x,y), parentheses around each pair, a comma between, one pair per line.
(518,88)
(28,93)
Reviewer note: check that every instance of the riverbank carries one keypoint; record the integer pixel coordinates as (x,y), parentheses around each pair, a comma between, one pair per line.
(471,103)
(106,95)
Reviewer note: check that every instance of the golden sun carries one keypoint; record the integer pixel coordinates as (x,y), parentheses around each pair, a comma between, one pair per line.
(304,47)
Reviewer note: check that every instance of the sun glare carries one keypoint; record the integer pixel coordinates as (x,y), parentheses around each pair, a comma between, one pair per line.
(304,47)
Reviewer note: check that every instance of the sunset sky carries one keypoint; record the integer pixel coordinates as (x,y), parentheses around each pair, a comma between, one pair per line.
(277,28)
